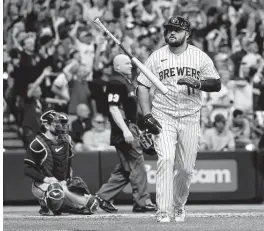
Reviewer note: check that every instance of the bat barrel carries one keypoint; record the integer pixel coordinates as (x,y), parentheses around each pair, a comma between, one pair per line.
(126,51)
(140,65)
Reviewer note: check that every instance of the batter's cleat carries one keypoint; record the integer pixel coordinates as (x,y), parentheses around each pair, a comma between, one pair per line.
(163,219)
(106,205)
(180,215)
(143,209)
(44,211)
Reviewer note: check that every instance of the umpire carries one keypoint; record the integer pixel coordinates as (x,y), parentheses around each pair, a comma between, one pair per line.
(123,116)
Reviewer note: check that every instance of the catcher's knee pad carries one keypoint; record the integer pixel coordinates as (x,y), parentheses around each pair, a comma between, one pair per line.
(54,197)
(92,204)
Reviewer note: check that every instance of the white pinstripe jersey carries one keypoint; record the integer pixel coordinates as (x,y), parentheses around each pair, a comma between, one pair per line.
(169,68)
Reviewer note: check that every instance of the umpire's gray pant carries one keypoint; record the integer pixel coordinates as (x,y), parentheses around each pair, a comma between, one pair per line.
(130,170)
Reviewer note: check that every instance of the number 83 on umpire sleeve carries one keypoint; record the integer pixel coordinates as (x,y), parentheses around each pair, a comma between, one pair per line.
(113,97)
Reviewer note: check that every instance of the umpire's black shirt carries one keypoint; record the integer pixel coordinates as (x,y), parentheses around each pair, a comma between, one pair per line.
(120,92)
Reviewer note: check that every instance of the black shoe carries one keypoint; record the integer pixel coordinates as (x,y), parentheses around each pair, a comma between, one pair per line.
(57,213)
(44,211)
(106,205)
(143,209)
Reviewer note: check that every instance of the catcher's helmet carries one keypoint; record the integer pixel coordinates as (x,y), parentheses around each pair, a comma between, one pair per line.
(177,22)
(59,119)
(48,117)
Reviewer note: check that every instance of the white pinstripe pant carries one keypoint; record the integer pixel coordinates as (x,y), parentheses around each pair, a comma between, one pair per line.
(177,146)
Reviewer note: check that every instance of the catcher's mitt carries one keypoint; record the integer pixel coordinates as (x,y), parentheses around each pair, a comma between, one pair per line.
(77,185)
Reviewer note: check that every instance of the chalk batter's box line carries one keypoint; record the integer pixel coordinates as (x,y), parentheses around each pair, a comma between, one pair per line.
(129,215)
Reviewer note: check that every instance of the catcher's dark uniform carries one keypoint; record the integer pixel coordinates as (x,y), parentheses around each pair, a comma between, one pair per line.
(121,92)
(52,158)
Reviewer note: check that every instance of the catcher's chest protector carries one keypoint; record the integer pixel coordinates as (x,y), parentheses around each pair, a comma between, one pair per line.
(57,158)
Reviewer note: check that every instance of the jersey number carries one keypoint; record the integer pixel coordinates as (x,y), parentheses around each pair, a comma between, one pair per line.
(113,98)
(190,90)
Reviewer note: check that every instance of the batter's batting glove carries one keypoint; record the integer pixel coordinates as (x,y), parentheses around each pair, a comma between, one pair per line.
(151,124)
(190,82)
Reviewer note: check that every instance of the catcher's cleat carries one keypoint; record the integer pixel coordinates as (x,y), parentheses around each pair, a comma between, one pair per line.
(106,205)
(44,211)
(143,209)
(82,211)
(57,213)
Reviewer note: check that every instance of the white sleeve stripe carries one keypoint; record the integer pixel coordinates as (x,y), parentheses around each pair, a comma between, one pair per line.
(46,152)
(37,151)
(29,161)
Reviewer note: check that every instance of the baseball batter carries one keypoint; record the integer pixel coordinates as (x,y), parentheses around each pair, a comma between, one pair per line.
(174,119)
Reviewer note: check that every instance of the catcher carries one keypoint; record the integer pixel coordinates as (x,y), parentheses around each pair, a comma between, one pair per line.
(127,139)
(48,164)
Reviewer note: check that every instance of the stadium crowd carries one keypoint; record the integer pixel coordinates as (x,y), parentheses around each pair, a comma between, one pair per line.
(55,57)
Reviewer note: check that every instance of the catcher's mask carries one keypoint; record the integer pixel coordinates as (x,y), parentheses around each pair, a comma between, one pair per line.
(59,120)
(146,140)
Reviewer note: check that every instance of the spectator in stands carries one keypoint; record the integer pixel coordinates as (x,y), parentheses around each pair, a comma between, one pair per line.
(238,51)
(98,87)
(259,105)
(13,86)
(93,9)
(150,13)
(79,91)
(219,138)
(33,108)
(81,124)
(205,121)
(261,142)
(60,85)
(243,90)
(222,101)
(59,58)
(85,44)
(31,64)
(241,128)
(30,67)
(98,138)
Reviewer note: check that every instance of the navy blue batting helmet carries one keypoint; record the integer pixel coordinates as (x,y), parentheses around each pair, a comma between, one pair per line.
(178,22)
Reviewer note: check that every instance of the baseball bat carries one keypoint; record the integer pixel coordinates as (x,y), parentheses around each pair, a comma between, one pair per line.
(159,85)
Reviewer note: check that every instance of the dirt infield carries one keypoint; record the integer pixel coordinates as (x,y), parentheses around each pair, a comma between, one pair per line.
(199,218)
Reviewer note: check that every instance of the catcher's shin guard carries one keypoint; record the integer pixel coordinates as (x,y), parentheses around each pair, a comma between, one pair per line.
(54,197)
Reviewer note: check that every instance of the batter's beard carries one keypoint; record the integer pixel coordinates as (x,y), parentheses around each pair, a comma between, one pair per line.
(177,43)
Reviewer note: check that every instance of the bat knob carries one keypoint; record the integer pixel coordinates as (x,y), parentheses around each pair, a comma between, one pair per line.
(97,20)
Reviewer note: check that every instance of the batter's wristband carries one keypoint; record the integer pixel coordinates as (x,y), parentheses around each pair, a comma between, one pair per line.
(200,85)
